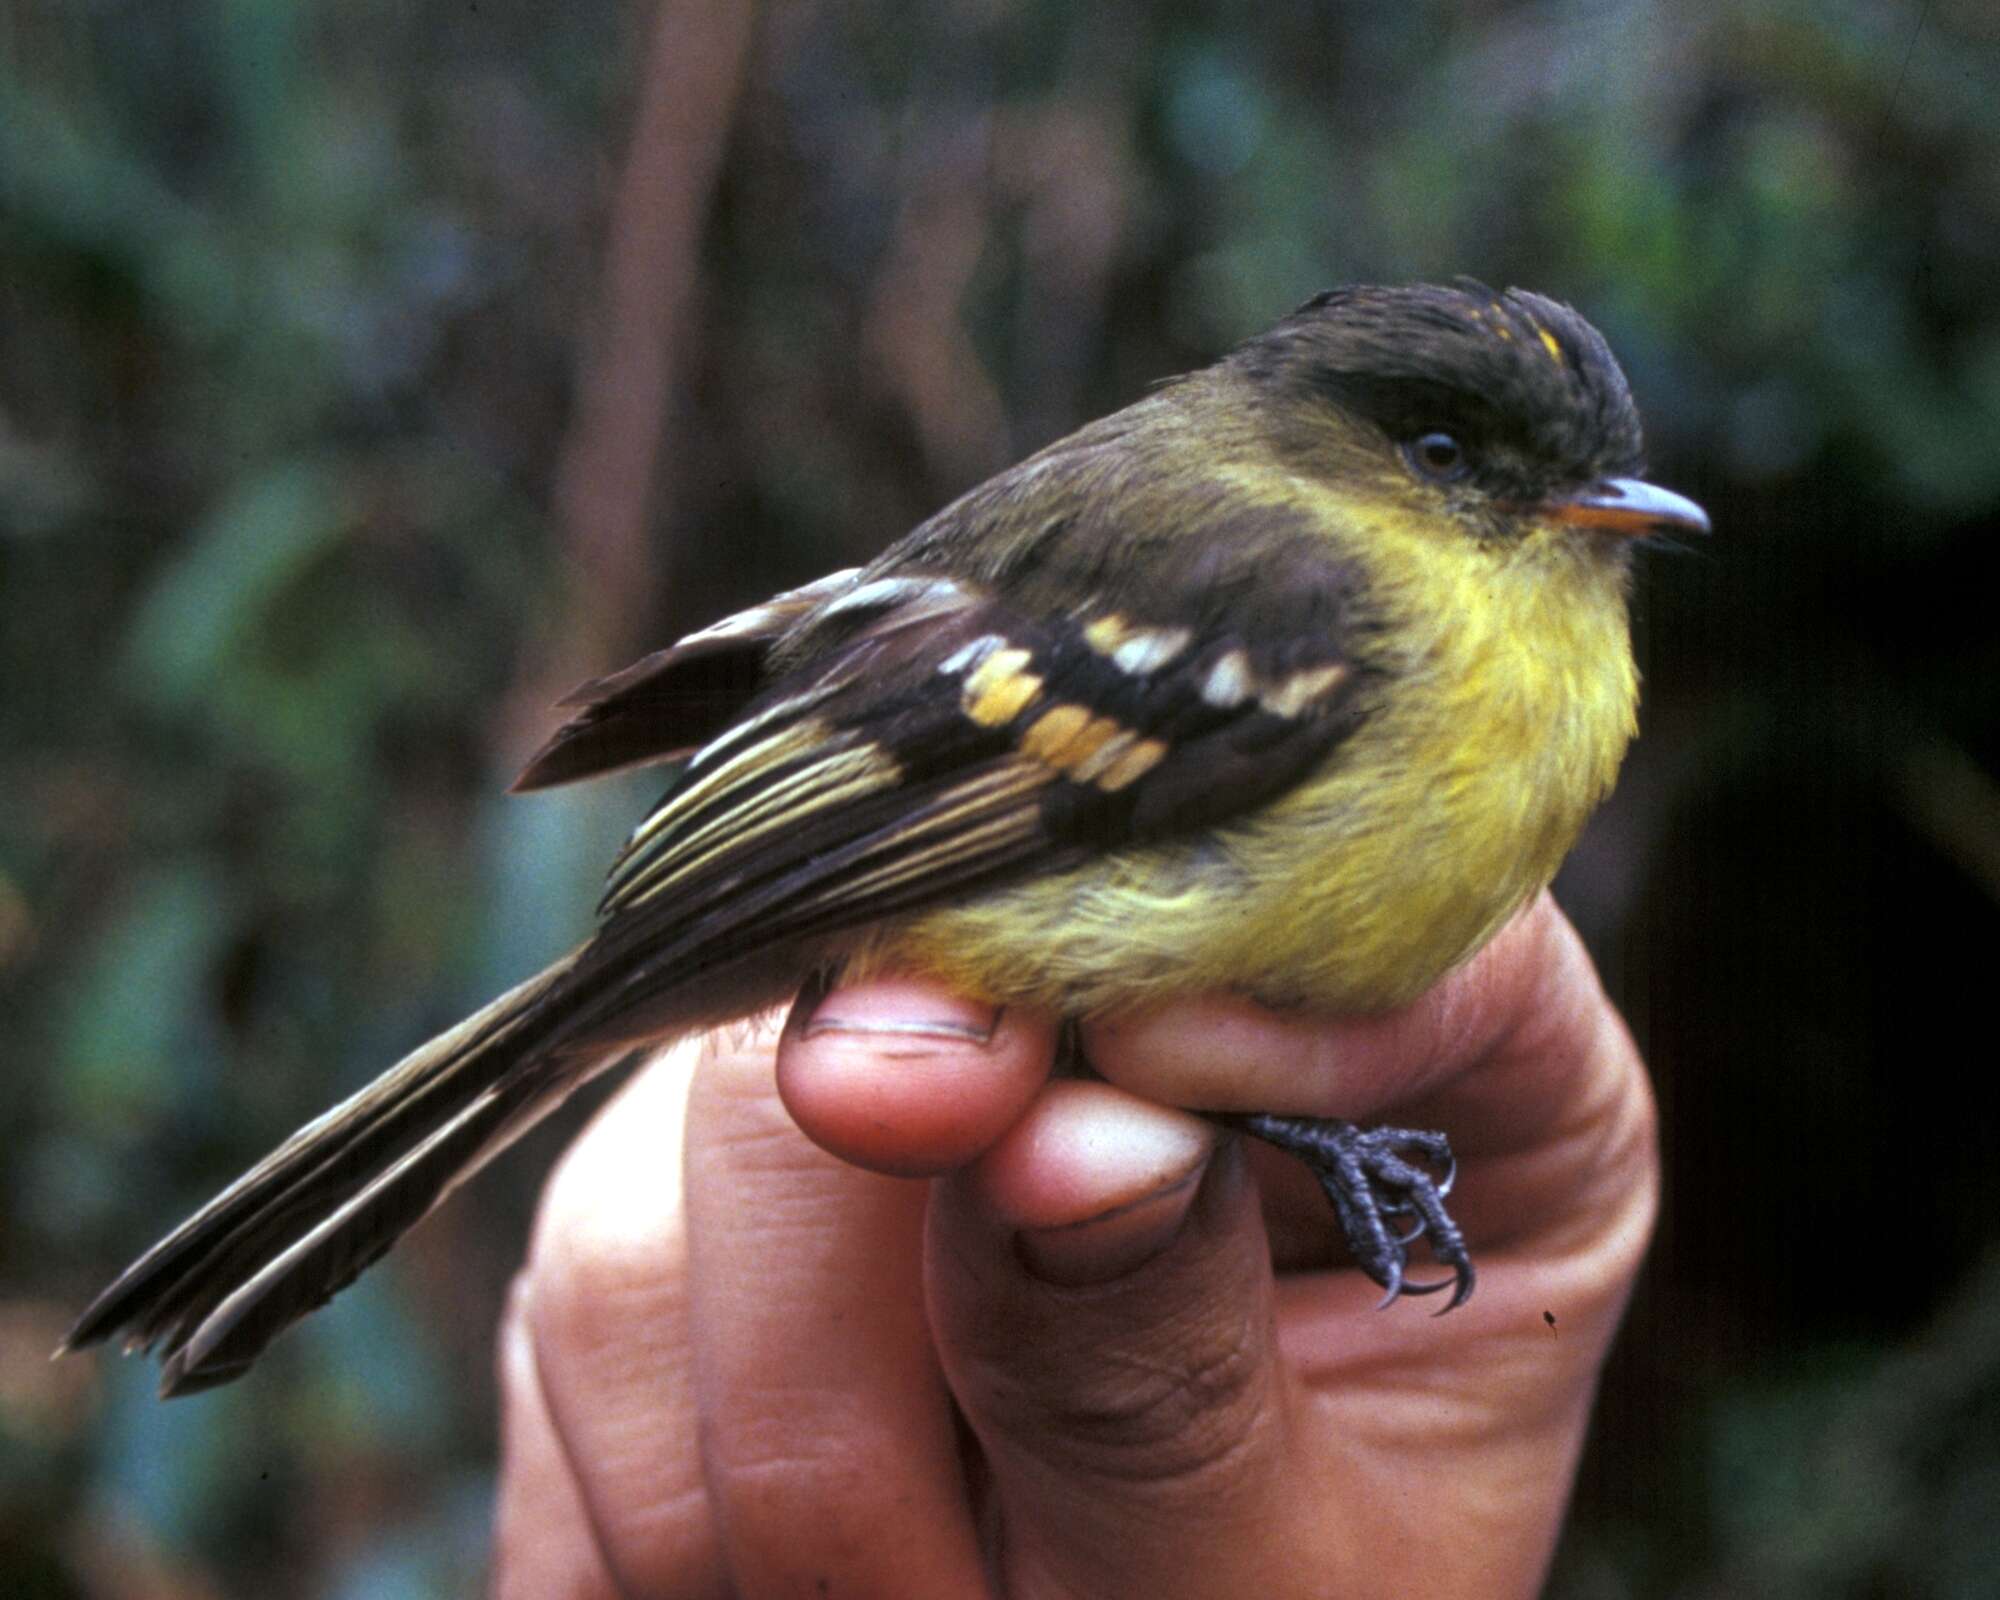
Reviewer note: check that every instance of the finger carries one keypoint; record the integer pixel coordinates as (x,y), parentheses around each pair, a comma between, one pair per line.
(1513,1053)
(1228,1053)
(829,1444)
(1517,1055)
(1525,1063)
(606,1321)
(1095,1179)
(903,1076)
(1102,1299)
(1523,1060)
(543,1543)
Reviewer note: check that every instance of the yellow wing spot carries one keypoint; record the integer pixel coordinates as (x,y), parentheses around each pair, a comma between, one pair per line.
(1107,633)
(1502,329)
(1303,689)
(1134,764)
(1092,766)
(1549,344)
(998,690)
(1091,748)
(1051,733)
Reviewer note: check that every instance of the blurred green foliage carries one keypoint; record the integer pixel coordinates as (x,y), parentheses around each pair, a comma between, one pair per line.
(293,302)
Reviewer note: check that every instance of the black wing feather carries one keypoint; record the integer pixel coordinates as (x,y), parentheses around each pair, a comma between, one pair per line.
(665,706)
(892,743)
(885,781)
(673,701)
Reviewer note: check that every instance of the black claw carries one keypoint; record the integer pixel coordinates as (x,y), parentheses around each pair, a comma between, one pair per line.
(1369,1179)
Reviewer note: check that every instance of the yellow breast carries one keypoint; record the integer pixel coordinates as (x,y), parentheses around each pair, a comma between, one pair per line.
(1509,701)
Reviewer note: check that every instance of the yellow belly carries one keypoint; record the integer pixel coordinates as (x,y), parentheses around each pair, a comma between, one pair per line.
(1453,804)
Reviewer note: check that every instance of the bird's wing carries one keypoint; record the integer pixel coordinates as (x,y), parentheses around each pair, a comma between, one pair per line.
(952,742)
(673,701)
(875,745)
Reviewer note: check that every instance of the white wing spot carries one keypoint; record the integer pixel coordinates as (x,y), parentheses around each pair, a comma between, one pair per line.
(1150,650)
(968,656)
(891,592)
(772,613)
(1229,682)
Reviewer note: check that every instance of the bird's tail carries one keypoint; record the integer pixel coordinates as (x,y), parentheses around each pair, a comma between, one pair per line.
(306,1220)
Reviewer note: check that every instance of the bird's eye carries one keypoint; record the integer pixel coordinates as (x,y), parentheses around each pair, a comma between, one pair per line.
(1439,456)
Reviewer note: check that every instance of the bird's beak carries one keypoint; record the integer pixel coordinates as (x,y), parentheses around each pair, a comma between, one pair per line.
(1629,507)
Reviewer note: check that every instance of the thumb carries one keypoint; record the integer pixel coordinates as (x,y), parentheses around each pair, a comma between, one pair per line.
(1100,1291)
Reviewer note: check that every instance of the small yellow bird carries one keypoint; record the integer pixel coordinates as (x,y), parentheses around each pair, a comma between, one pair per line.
(1297,679)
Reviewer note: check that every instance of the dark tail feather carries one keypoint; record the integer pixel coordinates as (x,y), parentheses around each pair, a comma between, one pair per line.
(306,1220)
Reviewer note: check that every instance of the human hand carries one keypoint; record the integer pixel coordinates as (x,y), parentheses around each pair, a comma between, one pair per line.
(736,1365)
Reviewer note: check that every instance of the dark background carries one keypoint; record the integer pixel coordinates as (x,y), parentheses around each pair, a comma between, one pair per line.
(371,372)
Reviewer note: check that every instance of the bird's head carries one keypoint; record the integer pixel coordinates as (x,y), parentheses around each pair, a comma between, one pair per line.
(1499,416)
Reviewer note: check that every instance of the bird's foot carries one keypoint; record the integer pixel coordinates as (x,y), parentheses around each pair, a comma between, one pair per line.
(1376,1178)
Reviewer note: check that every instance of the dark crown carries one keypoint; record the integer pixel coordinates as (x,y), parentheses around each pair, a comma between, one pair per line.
(1511,370)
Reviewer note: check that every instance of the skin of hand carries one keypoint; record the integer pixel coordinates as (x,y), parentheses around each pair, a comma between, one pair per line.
(1107,1351)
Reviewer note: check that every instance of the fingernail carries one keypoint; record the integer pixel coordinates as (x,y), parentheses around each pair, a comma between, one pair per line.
(903,1010)
(1112,1243)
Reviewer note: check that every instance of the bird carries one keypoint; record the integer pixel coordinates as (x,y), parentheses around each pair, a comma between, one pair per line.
(1296,678)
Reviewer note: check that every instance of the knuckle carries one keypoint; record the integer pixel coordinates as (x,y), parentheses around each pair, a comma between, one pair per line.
(1160,1415)
(513,1343)
(589,1257)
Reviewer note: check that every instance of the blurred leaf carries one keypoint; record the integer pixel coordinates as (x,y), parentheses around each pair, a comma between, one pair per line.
(177,1466)
(68,183)
(137,1031)
(238,561)
(376,1386)
(543,857)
